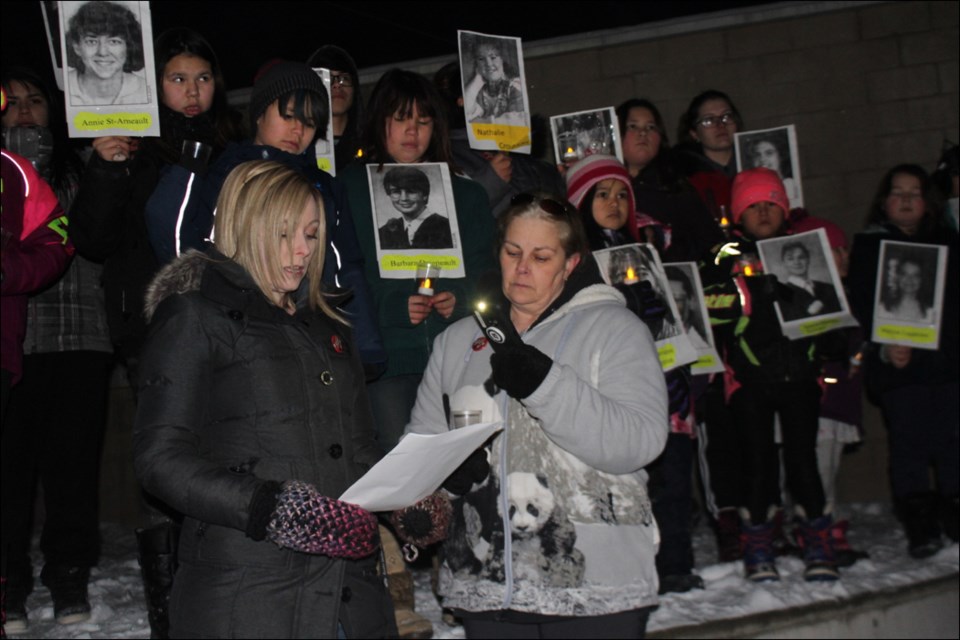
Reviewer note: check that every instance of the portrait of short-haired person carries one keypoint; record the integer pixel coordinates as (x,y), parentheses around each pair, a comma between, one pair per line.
(409,191)
(104,45)
(807,297)
(500,93)
(771,150)
(688,306)
(907,292)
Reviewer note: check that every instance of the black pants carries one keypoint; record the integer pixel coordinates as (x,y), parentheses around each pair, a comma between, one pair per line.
(922,421)
(672,497)
(754,408)
(628,624)
(719,450)
(54,430)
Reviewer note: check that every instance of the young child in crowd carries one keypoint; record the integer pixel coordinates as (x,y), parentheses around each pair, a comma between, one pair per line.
(768,374)
(599,186)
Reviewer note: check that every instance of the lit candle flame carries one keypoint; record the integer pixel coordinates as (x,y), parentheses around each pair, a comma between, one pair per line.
(631,273)
(724,222)
(748,270)
(426,283)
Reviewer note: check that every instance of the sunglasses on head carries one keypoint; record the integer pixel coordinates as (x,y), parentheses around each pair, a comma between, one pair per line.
(551,206)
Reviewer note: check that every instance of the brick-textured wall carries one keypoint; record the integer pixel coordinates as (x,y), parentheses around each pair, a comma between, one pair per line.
(868,86)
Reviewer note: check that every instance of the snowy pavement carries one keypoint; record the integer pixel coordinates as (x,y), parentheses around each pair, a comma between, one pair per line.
(118,610)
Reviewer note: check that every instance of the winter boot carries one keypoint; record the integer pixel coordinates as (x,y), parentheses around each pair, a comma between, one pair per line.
(758,555)
(158,562)
(728,535)
(68,588)
(844,553)
(950,516)
(918,511)
(410,624)
(15,592)
(818,555)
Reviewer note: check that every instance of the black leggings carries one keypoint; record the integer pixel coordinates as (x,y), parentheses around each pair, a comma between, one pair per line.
(754,408)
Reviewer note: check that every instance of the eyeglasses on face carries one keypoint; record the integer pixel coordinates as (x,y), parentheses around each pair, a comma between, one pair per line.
(340,79)
(713,121)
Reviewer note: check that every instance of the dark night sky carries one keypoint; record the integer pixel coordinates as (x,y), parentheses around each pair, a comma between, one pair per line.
(245,34)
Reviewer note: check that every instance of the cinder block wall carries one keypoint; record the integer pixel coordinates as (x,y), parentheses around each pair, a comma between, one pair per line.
(868,84)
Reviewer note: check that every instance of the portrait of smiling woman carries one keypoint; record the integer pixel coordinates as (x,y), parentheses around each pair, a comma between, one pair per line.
(104,46)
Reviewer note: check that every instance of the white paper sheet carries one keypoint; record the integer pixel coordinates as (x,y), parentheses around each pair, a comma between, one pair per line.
(416,467)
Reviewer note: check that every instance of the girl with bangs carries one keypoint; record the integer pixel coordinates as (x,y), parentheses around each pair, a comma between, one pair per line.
(288,110)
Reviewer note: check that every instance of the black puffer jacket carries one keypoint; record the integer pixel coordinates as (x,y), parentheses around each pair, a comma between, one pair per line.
(235,392)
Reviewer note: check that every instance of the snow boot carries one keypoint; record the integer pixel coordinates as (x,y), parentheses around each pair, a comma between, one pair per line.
(818,555)
(157,548)
(918,511)
(15,594)
(68,588)
(845,554)
(410,624)
(759,561)
(728,535)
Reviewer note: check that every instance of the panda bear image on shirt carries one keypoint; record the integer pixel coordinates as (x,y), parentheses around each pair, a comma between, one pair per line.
(543,539)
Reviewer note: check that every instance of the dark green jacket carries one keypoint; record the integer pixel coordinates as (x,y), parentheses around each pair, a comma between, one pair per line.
(408,346)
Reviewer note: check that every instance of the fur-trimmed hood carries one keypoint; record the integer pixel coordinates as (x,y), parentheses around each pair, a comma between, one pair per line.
(180,276)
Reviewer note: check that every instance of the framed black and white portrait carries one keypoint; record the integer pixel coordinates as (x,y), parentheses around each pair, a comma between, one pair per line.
(639,265)
(908,301)
(495,102)
(585,133)
(415,218)
(810,299)
(108,75)
(774,149)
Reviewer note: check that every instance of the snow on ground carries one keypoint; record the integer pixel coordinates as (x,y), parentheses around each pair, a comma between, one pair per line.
(118,610)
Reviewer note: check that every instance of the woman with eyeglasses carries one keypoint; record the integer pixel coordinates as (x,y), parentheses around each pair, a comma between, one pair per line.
(661,191)
(346,113)
(917,388)
(553,533)
(705,150)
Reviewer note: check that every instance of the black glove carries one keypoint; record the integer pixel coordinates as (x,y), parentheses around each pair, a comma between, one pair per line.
(646,303)
(474,470)
(519,369)
(425,522)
